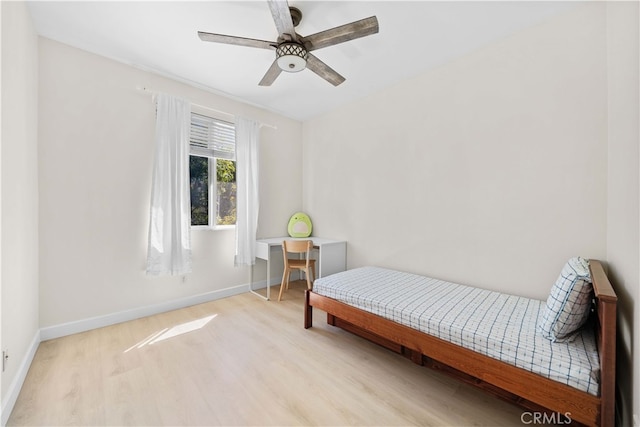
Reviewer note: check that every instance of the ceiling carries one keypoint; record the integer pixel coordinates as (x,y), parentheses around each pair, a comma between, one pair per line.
(414,37)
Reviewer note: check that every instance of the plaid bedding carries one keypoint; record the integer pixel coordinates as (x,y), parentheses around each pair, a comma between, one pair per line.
(497,325)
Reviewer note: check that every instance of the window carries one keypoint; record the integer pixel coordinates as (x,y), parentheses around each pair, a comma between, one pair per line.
(212,168)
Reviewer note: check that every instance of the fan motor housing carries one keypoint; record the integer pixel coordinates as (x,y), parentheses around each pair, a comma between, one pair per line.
(296,15)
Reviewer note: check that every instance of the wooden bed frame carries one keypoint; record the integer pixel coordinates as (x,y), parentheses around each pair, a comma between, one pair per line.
(529,390)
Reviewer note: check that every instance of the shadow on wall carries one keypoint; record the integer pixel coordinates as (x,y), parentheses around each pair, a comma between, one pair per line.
(624,352)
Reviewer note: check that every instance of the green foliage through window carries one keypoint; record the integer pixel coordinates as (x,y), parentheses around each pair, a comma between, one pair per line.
(199,168)
(225,191)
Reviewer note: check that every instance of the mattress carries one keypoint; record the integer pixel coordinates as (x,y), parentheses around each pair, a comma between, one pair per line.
(494,324)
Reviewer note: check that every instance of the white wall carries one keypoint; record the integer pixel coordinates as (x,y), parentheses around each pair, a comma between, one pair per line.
(623,231)
(19,178)
(490,170)
(96,153)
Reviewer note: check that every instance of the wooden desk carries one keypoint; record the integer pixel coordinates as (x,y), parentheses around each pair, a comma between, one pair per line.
(332,256)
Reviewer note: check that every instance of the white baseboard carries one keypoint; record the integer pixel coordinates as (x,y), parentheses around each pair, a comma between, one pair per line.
(83,325)
(16,385)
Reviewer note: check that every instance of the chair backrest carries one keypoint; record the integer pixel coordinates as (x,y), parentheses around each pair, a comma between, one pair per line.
(297,247)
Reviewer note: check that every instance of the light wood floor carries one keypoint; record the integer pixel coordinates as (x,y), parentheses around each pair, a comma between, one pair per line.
(240,361)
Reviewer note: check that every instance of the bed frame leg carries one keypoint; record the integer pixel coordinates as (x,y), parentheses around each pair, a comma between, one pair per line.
(331,320)
(308,311)
(414,355)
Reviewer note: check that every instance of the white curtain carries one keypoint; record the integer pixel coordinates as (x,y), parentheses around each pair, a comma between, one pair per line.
(169,249)
(247,202)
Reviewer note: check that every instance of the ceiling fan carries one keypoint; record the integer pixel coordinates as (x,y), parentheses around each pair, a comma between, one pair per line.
(293,51)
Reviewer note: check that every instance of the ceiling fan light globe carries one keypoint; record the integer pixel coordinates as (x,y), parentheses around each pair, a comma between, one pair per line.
(291,57)
(291,63)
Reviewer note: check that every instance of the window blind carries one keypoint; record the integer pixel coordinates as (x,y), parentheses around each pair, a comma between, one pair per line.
(212,137)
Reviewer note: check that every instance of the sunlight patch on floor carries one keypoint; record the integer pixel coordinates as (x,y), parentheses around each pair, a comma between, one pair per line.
(174,331)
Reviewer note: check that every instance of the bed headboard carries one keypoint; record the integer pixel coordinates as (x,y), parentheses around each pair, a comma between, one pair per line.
(606,305)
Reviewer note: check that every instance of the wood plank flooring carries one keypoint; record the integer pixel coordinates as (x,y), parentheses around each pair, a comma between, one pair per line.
(240,361)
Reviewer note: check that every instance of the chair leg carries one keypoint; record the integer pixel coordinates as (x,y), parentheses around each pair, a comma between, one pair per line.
(285,282)
(306,273)
(311,274)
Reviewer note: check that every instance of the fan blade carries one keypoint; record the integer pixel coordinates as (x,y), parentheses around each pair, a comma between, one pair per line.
(341,34)
(240,41)
(272,73)
(282,18)
(323,70)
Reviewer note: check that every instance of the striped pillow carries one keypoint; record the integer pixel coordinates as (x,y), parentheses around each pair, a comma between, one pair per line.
(569,302)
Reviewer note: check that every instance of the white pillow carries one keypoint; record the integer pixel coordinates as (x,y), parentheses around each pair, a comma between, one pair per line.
(569,302)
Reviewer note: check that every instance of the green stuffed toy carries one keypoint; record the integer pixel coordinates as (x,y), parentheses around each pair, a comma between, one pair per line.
(299,225)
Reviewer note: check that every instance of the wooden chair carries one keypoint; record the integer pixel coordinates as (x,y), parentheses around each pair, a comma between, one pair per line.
(306,264)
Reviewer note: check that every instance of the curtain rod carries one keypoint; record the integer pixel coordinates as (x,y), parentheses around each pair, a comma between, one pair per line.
(151,92)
